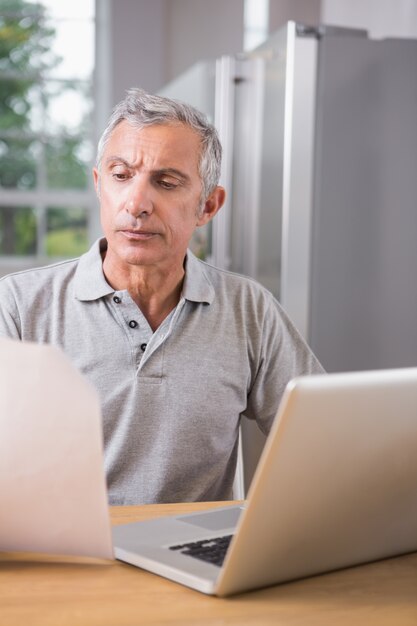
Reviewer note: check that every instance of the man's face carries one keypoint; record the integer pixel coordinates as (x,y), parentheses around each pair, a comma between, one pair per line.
(150,192)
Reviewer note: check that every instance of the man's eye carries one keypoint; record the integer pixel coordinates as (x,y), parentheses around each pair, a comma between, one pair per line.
(167,185)
(119,176)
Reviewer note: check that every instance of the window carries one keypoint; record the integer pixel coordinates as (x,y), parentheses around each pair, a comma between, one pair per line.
(256,23)
(46,129)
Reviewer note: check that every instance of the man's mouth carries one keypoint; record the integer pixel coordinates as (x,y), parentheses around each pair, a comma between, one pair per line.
(138,235)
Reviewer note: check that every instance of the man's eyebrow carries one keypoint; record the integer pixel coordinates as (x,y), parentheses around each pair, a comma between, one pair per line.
(163,171)
(114,158)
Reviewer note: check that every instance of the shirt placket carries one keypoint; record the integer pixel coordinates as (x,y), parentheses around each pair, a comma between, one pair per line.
(144,341)
(135,324)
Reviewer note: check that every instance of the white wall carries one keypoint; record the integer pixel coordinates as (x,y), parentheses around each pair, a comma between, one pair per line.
(152,41)
(201,29)
(304,11)
(138,41)
(381,18)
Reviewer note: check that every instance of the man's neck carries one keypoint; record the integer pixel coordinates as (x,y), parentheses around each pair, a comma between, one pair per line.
(155,291)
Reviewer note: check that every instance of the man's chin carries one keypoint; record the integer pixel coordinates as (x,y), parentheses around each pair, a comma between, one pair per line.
(141,259)
(136,252)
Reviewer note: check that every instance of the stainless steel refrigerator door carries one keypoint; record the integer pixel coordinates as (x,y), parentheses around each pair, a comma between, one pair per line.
(364,252)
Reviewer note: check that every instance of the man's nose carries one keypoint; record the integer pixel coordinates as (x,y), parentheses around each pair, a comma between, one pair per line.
(140,198)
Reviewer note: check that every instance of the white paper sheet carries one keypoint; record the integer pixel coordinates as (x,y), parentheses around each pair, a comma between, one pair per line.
(52,487)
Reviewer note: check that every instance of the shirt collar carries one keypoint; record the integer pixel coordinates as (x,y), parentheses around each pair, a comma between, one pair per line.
(90,282)
(197,286)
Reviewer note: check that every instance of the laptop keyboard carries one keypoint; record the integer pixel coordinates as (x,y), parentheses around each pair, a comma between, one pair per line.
(210,550)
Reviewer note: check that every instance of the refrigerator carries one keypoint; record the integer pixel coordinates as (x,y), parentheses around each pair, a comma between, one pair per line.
(319,130)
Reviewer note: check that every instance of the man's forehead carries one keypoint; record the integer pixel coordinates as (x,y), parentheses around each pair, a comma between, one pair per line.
(167,142)
(167,133)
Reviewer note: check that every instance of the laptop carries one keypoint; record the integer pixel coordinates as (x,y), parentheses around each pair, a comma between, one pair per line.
(336,486)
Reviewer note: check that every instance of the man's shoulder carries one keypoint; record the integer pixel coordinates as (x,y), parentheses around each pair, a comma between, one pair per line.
(235,283)
(244,298)
(36,277)
(60,271)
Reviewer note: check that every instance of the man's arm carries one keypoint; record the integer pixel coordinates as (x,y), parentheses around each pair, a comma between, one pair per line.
(284,355)
(9,315)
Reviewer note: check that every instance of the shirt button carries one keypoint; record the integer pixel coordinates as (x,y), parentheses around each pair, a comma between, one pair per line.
(133,324)
(143,346)
(117,300)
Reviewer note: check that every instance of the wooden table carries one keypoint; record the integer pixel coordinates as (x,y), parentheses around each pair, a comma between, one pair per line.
(48,591)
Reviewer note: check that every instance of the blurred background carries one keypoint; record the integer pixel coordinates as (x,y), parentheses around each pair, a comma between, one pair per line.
(316,105)
(65,63)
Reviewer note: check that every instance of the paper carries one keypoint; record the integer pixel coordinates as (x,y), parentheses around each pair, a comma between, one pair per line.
(52,486)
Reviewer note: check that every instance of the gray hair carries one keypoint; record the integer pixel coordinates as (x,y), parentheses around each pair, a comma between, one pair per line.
(141,109)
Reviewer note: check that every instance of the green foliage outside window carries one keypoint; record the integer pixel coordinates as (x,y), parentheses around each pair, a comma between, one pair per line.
(30,157)
(17,163)
(17,231)
(67,232)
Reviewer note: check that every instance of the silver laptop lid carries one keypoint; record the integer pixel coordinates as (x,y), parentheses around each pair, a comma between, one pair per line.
(337,481)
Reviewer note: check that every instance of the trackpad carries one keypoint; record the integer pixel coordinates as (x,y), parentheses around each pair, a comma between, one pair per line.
(214,520)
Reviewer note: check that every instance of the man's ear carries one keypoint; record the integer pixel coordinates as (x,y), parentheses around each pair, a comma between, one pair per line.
(211,206)
(96,179)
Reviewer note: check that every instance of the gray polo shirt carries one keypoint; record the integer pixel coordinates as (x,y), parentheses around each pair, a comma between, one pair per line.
(172,399)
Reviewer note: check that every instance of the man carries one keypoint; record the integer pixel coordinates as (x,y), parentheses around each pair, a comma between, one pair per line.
(178,350)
